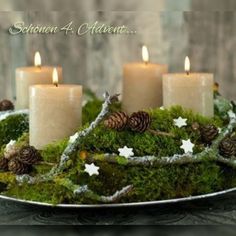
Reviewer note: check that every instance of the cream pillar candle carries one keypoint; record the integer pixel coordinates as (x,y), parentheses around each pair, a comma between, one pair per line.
(55,112)
(27,76)
(189,90)
(142,85)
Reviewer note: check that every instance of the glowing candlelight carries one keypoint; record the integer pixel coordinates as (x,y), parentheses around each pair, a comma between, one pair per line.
(31,75)
(191,91)
(142,84)
(37,59)
(55,77)
(145,54)
(187,65)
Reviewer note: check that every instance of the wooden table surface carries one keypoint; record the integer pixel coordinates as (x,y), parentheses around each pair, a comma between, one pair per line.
(218,210)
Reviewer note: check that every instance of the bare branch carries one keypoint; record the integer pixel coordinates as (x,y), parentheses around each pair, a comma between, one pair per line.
(5,114)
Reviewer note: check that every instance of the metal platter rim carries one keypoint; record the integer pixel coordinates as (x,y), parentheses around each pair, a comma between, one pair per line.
(132,204)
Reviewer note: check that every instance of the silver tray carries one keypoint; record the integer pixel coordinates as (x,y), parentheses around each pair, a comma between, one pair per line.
(132,204)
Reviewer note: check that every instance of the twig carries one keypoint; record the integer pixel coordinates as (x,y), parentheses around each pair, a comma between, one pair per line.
(105,199)
(88,193)
(152,160)
(47,163)
(117,195)
(72,146)
(5,114)
(226,161)
(158,132)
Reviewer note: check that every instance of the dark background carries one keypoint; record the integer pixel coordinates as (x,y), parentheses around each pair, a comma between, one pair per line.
(213,211)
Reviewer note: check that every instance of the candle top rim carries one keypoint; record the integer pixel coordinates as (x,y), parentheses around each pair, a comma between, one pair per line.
(56,87)
(145,64)
(36,68)
(187,75)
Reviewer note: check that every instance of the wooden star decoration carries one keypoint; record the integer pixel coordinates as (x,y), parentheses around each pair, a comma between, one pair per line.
(187,146)
(91,169)
(126,152)
(180,122)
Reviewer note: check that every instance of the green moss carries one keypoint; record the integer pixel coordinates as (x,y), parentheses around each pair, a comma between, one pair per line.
(91,110)
(52,152)
(23,140)
(150,182)
(110,179)
(12,128)
(41,168)
(106,140)
(103,140)
(163,182)
(42,192)
(163,119)
(7,177)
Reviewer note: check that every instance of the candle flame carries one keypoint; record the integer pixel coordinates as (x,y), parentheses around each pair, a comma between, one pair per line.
(37,59)
(187,65)
(55,77)
(145,54)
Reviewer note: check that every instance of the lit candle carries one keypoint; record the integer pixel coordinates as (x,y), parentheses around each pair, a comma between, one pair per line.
(189,90)
(142,84)
(27,76)
(55,112)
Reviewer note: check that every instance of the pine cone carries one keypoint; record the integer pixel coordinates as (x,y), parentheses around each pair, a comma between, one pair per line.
(6,105)
(195,126)
(208,133)
(139,121)
(29,155)
(227,148)
(18,167)
(3,164)
(117,121)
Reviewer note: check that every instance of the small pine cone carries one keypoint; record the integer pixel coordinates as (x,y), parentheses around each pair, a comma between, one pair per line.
(208,133)
(6,105)
(195,126)
(18,167)
(117,121)
(29,155)
(4,164)
(227,148)
(139,121)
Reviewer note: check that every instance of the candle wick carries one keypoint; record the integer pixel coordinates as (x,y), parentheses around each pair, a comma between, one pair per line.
(187,72)
(39,67)
(146,62)
(56,84)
